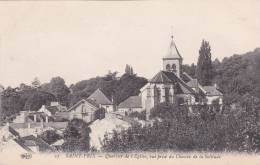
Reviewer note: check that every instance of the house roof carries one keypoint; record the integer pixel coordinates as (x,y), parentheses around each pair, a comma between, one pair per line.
(193,83)
(55,125)
(161,77)
(91,102)
(52,109)
(36,141)
(212,91)
(100,98)
(21,143)
(173,52)
(131,102)
(164,77)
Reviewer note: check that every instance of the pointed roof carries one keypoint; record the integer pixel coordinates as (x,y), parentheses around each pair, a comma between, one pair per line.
(173,52)
(164,77)
(100,98)
(90,102)
(131,102)
(160,78)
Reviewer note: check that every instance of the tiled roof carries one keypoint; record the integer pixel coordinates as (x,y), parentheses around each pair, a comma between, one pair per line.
(170,77)
(91,102)
(131,102)
(193,83)
(212,91)
(100,98)
(160,78)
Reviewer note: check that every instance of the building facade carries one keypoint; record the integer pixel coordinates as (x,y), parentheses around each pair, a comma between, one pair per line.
(172,85)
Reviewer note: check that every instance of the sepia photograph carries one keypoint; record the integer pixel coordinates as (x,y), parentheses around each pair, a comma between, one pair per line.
(175,82)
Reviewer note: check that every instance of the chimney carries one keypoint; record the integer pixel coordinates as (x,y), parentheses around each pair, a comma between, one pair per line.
(29,125)
(215,85)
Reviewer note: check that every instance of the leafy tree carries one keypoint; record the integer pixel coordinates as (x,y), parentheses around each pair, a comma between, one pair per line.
(50,136)
(36,99)
(234,131)
(190,70)
(76,136)
(126,86)
(204,70)
(58,88)
(100,113)
(119,89)
(139,115)
(15,100)
(129,70)
(11,103)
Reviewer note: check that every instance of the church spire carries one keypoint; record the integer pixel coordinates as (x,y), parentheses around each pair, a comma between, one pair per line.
(172,62)
(173,51)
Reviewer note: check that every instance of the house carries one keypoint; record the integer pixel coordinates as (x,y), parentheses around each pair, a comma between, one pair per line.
(101,99)
(85,109)
(210,93)
(131,104)
(31,116)
(13,146)
(60,107)
(105,127)
(213,94)
(173,85)
(49,110)
(35,144)
(36,128)
(14,141)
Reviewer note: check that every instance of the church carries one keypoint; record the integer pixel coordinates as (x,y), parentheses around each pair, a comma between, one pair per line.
(171,85)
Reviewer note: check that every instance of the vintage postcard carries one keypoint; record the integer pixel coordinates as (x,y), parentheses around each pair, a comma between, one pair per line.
(124,82)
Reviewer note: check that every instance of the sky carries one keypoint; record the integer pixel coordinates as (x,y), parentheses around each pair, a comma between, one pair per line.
(77,40)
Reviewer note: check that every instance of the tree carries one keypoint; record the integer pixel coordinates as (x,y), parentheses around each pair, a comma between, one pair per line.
(11,103)
(190,70)
(119,89)
(204,69)
(36,99)
(76,136)
(129,70)
(50,136)
(58,88)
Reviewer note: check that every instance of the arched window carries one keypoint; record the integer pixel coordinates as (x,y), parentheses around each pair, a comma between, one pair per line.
(168,67)
(174,67)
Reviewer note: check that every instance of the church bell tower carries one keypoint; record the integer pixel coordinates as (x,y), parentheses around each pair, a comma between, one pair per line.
(172,62)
